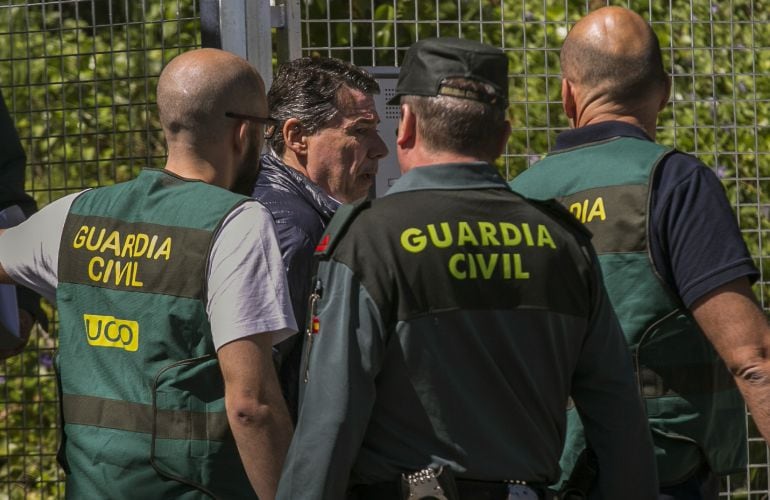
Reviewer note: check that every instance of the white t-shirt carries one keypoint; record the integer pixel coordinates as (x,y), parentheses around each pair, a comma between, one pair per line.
(247,288)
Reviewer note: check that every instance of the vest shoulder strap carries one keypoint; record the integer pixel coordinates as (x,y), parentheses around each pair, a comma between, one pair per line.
(560,213)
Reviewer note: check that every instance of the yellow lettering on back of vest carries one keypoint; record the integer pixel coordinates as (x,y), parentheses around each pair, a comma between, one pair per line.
(164,250)
(434,237)
(95,267)
(476,234)
(488,234)
(115,272)
(519,273)
(487,264)
(108,331)
(464,266)
(454,269)
(122,271)
(107,270)
(80,237)
(471,266)
(142,241)
(112,243)
(465,234)
(576,209)
(597,210)
(150,250)
(94,245)
(123,245)
(128,245)
(582,213)
(511,234)
(527,234)
(413,240)
(544,237)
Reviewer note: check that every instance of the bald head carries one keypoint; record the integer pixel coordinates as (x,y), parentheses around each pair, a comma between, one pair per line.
(615,53)
(197,87)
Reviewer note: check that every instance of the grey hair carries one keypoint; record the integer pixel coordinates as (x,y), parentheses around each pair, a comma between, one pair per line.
(307,89)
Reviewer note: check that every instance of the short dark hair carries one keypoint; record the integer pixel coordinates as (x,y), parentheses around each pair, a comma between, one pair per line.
(462,126)
(623,78)
(307,89)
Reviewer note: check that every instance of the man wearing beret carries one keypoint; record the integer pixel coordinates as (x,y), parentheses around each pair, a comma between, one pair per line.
(452,319)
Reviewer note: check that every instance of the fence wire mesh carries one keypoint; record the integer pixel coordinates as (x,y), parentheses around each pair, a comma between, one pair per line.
(79,78)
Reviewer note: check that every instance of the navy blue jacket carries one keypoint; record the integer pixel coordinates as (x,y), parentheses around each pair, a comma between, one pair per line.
(301,211)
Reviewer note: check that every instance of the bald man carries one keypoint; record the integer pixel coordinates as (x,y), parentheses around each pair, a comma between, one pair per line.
(676,268)
(170,291)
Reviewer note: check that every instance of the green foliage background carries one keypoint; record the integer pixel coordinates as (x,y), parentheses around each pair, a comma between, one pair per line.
(79,78)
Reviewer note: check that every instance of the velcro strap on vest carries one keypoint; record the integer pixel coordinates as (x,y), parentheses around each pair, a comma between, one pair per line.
(137,417)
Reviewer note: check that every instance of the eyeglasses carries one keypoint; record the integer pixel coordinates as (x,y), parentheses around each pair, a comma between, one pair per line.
(270,123)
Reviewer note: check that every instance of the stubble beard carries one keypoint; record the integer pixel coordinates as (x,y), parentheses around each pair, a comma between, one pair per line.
(248,171)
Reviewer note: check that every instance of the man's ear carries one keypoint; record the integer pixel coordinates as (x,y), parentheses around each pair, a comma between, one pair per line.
(504,139)
(568,102)
(241,137)
(294,136)
(407,128)
(666,93)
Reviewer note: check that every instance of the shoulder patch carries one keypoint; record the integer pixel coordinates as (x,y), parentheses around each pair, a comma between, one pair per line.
(337,226)
(560,213)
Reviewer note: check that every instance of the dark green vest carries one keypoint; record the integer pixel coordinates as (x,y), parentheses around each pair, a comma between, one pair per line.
(142,392)
(693,405)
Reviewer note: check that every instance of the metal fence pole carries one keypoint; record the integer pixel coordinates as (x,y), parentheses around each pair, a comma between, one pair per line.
(242,27)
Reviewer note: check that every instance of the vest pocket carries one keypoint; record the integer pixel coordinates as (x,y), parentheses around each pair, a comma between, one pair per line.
(189,407)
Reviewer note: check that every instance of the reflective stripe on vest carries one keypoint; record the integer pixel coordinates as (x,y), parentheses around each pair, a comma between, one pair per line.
(137,417)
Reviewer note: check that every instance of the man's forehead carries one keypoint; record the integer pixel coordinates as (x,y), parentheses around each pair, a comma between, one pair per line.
(354,104)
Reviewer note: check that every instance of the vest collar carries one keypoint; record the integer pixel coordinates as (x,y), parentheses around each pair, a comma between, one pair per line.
(451,176)
(275,171)
(598,132)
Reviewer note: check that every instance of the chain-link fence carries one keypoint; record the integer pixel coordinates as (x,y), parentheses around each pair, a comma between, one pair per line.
(79,78)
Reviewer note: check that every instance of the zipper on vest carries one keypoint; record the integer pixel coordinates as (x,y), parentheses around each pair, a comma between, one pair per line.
(313,326)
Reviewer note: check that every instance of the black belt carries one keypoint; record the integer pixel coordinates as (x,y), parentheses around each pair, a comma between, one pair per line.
(468,489)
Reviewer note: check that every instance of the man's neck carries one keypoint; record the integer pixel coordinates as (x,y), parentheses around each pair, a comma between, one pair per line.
(424,158)
(631,120)
(290,160)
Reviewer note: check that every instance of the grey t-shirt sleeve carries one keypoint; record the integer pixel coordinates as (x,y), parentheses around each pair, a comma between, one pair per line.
(29,252)
(247,289)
